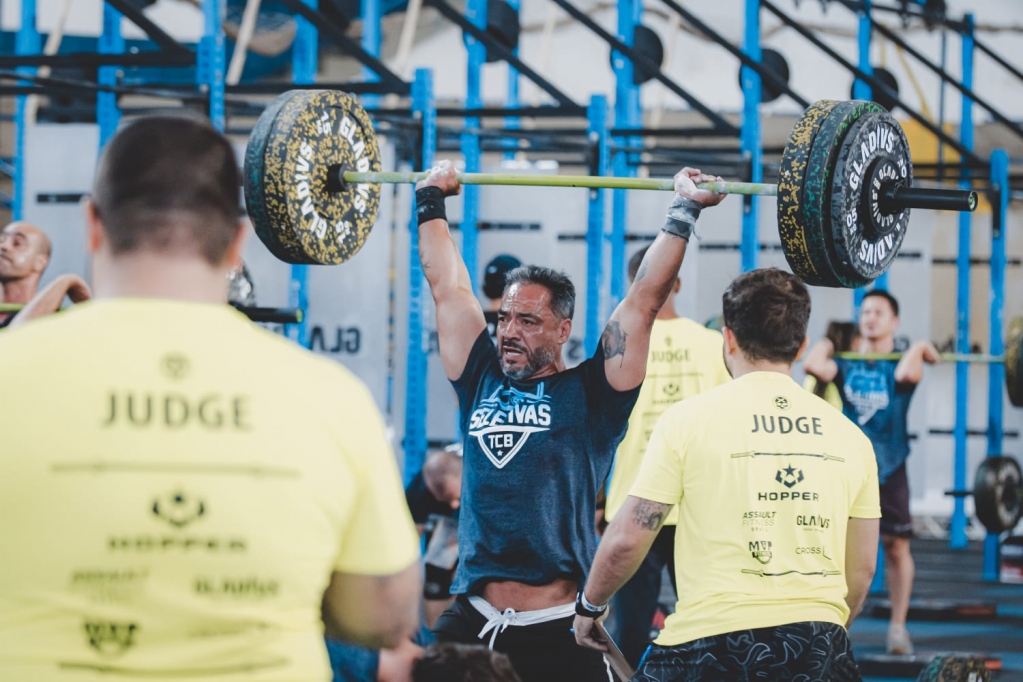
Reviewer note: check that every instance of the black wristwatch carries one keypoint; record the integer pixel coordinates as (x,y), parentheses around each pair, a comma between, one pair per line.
(586,609)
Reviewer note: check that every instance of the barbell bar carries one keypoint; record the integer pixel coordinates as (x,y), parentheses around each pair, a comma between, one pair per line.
(313,184)
(1012,359)
(896,198)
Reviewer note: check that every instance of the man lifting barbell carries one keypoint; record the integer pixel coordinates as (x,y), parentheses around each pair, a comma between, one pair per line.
(539,438)
(181,492)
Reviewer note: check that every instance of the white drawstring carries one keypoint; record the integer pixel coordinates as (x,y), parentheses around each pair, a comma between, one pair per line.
(498,621)
(498,624)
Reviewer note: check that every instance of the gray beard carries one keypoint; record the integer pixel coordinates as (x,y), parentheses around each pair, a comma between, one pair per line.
(535,361)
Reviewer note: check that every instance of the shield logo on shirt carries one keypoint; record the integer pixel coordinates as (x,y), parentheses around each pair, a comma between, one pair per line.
(502,423)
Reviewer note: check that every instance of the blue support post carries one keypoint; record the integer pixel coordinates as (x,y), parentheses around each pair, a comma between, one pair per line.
(996,370)
(958,532)
(414,444)
(513,102)
(108,115)
(628,114)
(749,139)
(211,60)
(476,12)
(304,64)
(596,218)
(27,41)
(371,17)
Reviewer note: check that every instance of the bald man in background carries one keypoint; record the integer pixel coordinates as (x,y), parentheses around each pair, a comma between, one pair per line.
(24,254)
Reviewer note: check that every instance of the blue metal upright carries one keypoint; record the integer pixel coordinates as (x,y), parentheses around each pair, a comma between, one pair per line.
(371,17)
(862,90)
(211,60)
(108,115)
(304,65)
(513,101)
(996,370)
(958,538)
(749,139)
(476,12)
(414,443)
(628,114)
(27,41)
(596,113)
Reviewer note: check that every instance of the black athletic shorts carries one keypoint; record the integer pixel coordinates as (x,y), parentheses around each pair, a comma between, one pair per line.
(799,652)
(895,518)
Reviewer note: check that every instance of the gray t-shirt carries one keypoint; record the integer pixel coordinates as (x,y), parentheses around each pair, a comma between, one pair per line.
(535,454)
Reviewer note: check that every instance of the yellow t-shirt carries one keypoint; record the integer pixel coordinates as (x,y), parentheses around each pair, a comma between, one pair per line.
(685,359)
(831,394)
(766,476)
(176,487)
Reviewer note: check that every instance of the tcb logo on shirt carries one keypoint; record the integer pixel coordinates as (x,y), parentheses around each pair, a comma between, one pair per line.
(502,423)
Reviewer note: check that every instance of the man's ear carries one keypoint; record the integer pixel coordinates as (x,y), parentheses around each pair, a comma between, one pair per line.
(564,331)
(234,250)
(95,232)
(802,347)
(731,343)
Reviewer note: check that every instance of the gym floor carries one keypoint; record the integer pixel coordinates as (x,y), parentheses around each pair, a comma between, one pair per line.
(942,573)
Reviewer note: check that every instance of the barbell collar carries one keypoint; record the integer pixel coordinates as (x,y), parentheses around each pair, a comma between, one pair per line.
(895,198)
(350,178)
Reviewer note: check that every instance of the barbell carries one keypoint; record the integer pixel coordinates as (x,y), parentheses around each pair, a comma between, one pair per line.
(1013,359)
(997,493)
(312,181)
(254,313)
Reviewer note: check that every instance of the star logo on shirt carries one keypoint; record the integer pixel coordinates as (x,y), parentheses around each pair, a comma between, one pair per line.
(789,476)
(781,402)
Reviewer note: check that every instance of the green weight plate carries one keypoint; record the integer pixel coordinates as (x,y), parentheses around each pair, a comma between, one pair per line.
(308,217)
(997,491)
(792,175)
(1014,362)
(827,146)
(864,240)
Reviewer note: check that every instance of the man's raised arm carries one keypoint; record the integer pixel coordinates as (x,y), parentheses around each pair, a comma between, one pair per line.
(626,339)
(460,318)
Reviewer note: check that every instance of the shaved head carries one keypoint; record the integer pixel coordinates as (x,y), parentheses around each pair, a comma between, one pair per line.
(24,254)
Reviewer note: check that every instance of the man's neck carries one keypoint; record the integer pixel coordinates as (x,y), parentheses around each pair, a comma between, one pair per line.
(882,344)
(20,290)
(160,276)
(740,366)
(667,312)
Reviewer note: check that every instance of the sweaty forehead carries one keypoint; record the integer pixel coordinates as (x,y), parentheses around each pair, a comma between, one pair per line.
(526,298)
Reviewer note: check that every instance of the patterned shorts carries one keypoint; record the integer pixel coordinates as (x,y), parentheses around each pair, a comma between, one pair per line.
(802,652)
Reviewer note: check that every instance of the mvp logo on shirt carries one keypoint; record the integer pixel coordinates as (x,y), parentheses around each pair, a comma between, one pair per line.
(502,423)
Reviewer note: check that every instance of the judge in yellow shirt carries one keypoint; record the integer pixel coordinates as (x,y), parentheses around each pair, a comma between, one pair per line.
(182,493)
(685,359)
(777,496)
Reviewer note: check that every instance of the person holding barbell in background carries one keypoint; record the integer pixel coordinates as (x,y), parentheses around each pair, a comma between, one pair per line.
(539,438)
(25,252)
(777,502)
(212,495)
(876,394)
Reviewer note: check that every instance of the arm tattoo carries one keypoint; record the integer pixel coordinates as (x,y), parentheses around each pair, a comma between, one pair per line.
(650,515)
(613,340)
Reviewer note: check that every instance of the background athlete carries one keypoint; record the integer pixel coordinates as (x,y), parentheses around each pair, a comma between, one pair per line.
(778,506)
(206,487)
(685,359)
(876,395)
(539,437)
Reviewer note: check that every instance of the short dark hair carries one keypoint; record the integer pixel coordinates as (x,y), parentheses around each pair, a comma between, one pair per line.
(768,311)
(841,335)
(169,184)
(495,272)
(450,662)
(636,261)
(881,293)
(561,287)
